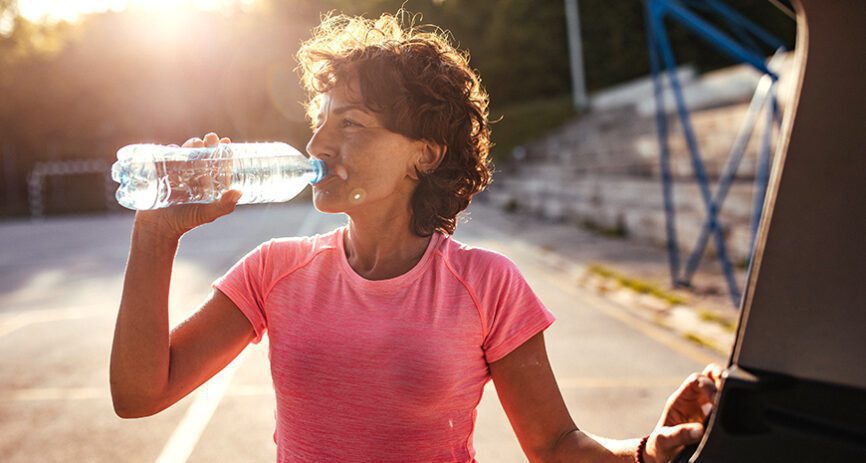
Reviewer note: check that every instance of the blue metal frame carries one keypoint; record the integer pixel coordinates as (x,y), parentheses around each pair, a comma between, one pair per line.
(745,50)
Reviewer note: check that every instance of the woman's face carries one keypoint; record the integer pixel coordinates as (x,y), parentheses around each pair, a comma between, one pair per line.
(367,163)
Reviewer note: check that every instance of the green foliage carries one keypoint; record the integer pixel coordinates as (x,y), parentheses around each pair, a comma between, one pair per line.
(519,123)
(518,46)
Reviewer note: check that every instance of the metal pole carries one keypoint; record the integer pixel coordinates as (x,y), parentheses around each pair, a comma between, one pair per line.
(575,54)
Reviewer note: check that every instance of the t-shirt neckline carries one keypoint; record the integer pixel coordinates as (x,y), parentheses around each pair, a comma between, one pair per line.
(397,281)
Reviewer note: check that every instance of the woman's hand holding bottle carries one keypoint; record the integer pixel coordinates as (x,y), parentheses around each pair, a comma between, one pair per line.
(176,220)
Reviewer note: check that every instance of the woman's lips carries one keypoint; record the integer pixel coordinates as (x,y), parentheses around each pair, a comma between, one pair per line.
(325,180)
(337,172)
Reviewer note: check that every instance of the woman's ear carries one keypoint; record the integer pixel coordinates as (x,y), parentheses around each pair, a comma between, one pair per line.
(428,160)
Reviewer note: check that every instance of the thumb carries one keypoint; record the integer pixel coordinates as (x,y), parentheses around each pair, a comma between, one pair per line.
(224,205)
(671,437)
(229,200)
(232,196)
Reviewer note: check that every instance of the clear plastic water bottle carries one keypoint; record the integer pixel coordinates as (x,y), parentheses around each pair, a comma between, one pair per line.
(157,176)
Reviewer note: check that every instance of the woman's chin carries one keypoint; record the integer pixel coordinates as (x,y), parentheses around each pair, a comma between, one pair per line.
(327,205)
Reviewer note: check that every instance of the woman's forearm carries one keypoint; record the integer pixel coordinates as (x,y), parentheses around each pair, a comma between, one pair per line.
(583,447)
(140,352)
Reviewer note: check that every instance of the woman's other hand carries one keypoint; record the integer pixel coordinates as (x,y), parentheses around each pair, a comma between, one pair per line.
(682,420)
(176,220)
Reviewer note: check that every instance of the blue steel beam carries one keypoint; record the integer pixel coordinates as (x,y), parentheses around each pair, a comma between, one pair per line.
(697,163)
(664,150)
(709,33)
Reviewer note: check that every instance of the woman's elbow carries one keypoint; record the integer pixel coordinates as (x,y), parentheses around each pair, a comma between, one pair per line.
(128,406)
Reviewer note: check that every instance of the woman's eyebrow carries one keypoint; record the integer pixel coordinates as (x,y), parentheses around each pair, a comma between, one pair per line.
(343,109)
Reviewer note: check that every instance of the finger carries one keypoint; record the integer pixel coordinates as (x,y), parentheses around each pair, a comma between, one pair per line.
(671,437)
(229,200)
(225,140)
(714,371)
(696,386)
(211,139)
(225,205)
(194,142)
(232,196)
(687,388)
(707,386)
(688,402)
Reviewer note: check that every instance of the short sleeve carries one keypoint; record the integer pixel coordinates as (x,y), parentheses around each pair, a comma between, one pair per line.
(245,285)
(513,312)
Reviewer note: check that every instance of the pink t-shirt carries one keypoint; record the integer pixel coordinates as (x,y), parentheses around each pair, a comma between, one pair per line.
(388,370)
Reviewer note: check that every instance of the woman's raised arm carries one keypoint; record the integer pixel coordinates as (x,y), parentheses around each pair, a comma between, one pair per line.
(151,368)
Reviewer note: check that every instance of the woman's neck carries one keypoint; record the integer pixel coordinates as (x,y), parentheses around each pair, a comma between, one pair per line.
(383,247)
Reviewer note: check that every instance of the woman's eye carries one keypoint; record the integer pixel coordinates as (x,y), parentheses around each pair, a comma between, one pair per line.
(349,123)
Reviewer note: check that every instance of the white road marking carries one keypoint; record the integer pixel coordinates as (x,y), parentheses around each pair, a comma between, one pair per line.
(21,320)
(185,437)
(54,393)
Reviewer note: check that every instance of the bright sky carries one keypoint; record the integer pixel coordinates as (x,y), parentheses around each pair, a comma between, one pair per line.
(70,10)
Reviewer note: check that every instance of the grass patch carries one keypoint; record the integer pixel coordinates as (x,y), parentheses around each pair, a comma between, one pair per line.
(548,248)
(523,122)
(698,339)
(619,231)
(713,317)
(511,206)
(637,285)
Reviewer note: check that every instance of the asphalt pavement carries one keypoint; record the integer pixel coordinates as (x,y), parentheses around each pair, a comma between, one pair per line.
(60,285)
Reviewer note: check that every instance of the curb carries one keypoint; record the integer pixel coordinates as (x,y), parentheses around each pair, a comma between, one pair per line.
(694,324)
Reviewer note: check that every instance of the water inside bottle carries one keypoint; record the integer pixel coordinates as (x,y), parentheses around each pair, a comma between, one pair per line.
(202,175)
(266,179)
(138,186)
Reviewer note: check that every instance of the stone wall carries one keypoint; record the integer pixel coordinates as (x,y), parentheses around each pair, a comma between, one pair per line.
(602,170)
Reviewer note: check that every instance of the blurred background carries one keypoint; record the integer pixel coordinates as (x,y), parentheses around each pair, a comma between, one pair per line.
(79,79)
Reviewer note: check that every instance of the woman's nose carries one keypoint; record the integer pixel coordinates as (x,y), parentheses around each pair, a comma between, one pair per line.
(318,145)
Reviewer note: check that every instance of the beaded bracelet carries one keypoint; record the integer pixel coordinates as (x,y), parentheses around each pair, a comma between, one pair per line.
(638,454)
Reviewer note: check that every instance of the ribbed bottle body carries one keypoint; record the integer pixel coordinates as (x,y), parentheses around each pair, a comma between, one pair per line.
(155,176)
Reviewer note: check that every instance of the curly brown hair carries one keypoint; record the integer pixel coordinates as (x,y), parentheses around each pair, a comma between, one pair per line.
(423,88)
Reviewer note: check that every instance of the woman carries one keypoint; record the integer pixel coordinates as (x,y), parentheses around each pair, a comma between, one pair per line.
(382,333)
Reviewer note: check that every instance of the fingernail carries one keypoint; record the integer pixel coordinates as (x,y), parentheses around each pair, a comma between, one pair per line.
(695,433)
(707,408)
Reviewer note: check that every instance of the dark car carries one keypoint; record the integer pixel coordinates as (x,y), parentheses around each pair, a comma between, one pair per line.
(795,387)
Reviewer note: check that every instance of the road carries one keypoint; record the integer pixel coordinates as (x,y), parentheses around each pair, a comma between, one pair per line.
(60,284)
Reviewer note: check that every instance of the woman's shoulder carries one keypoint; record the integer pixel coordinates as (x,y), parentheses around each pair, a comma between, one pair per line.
(476,260)
(296,249)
